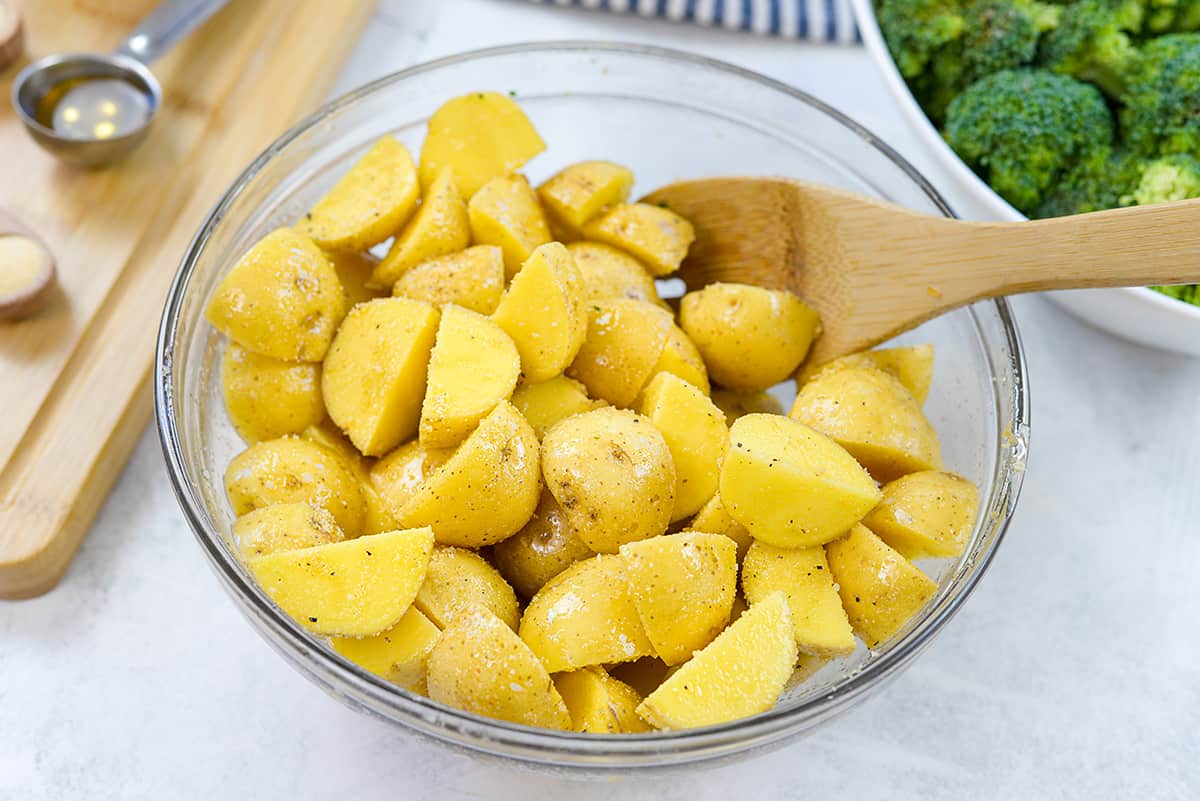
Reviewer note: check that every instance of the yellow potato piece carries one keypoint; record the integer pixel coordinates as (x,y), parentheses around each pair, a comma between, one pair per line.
(791,486)
(926,514)
(284,527)
(714,519)
(585,616)
(478,137)
(912,365)
(803,575)
(374,379)
(658,237)
(487,490)
(740,404)
(624,341)
(870,413)
(695,432)
(294,470)
(440,227)
(547,402)
(369,203)
(355,588)
(282,299)
(397,476)
(750,338)
(457,578)
(680,357)
(398,654)
(474,365)
(544,313)
(545,547)
(880,589)
(267,398)
(378,516)
(740,673)
(611,472)
(683,587)
(354,274)
(473,279)
(584,190)
(505,212)
(610,273)
(598,703)
(643,675)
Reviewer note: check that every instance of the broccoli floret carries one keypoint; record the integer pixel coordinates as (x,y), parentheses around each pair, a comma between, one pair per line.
(1162,97)
(1021,129)
(1188,293)
(1172,16)
(1092,42)
(1173,177)
(917,29)
(1103,178)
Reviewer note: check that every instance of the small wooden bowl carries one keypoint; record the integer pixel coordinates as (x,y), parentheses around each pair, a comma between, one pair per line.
(12,32)
(29,298)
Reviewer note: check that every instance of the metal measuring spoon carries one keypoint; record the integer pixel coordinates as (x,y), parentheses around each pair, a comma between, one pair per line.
(91,109)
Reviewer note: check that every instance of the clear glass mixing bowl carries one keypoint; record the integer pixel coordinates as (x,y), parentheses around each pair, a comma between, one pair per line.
(668,115)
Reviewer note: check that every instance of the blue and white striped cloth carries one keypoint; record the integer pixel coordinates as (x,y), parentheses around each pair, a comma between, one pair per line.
(813,20)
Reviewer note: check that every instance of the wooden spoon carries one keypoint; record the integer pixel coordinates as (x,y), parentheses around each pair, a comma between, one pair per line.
(874,269)
(27,273)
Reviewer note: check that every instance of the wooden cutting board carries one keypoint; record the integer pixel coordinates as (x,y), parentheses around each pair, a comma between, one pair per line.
(74,379)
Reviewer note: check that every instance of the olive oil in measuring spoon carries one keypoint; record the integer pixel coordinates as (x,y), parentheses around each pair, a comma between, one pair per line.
(94,108)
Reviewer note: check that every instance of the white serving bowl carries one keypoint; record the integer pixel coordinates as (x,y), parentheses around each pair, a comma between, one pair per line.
(1139,315)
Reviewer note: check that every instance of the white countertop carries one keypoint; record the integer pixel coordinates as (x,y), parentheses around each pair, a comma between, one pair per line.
(1073,672)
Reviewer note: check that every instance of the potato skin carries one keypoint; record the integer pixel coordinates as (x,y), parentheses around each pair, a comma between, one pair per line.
(440,227)
(926,514)
(548,402)
(472,278)
(457,578)
(611,472)
(284,527)
(912,365)
(505,212)
(581,191)
(268,398)
(624,341)
(545,547)
(658,237)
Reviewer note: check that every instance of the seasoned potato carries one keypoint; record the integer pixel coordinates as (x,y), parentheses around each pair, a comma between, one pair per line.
(683,587)
(267,398)
(681,358)
(611,472)
(643,675)
(378,516)
(610,273)
(880,589)
(282,299)
(658,237)
(474,365)
(598,703)
(545,547)
(803,575)
(695,432)
(547,402)
(355,588)
(751,338)
(585,616)
(487,490)
(440,227)
(740,404)
(791,486)
(472,278)
(714,519)
(457,578)
(293,470)
(477,137)
(582,191)
(926,514)
(284,527)
(374,376)
(369,203)
(479,665)
(870,413)
(354,274)
(624,341)
(911,365)
(398,654)
(505,212)
(740,673)
(398,476)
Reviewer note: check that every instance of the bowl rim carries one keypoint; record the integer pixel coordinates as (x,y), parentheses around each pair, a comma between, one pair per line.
(529,744)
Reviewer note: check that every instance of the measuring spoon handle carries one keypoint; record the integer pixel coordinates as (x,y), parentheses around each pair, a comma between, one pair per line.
(165,25)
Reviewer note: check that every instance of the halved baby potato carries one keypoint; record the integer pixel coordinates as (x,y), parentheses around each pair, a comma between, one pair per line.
(658,237)
(268,398)
(803,575)
(284,527)
(740,404)
(598,703)
(681,357)
(547,402)
(582,191)
(624,341)
(713,518)
(398,476)
(472,278)
(926,514)
(354,588)
(457,578)
(398,654)
(610,273)
(912,365)
(440,227)
(505,212)
(543,548)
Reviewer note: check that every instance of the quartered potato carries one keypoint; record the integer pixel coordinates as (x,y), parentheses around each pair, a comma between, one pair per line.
(751,338)
(680,357)
(624,341)
(440,227)
(282,299)
(870,413)
(369,203)
(354,588)
(911,365)
(378,516)
(547,402)
(714,519)
(477,137)
(740,673)
(658,237)
(791,486)
(683,587)
(926,514)
(740,404)
(880,589)
(268,398)
(284,527)
(803,575)
(610,273)
(398,476)
(479,665)
(582,191)
(474,365)
(472,278)
(545,547)
(585,616)
(457,578)
(695,432)
(505,212)
(398,654)
(598,703)
(487,490)
(374,379)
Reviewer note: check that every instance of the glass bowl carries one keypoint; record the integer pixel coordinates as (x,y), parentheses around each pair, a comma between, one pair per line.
(668,115)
